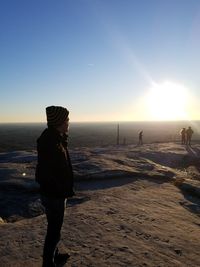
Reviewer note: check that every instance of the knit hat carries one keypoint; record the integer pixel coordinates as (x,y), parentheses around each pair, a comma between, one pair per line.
(56,115)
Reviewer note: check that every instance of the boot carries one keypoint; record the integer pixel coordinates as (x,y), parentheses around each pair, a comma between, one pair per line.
(60,257)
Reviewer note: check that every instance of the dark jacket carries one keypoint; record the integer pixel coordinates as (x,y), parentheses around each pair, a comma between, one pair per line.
(54,169)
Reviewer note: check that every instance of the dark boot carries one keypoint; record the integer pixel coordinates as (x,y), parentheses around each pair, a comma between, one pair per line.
(60,257)
(48,264)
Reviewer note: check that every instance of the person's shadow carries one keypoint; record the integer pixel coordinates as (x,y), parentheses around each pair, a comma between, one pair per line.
(77,199)
(193,151)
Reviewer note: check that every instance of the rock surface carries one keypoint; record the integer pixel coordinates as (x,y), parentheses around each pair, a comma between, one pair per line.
(134,206)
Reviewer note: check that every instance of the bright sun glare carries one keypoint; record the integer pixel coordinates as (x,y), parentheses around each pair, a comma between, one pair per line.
(167,101)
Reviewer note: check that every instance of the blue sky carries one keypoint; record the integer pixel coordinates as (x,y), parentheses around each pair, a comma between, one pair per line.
(99,58)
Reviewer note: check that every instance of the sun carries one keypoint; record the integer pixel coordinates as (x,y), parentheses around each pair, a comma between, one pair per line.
(167,101)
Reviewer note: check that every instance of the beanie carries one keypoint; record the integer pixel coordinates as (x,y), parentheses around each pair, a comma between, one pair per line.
(56,115)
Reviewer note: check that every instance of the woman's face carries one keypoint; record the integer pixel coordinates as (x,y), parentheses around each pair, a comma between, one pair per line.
(64,128)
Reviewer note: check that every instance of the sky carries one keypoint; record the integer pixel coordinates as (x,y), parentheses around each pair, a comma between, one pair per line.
(105,60)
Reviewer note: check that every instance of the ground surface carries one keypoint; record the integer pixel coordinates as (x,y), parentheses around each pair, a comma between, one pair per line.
(134,207)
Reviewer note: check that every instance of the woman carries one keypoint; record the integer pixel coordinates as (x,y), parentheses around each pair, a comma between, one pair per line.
(55,177)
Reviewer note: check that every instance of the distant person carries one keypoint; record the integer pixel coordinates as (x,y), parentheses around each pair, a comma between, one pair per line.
(183,136)
(189,133)
(140,138)
(55,177)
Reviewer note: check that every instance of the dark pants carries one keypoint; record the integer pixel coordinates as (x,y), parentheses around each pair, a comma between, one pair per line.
(54,209)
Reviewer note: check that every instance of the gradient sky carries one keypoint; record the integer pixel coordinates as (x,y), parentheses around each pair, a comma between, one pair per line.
(99,58)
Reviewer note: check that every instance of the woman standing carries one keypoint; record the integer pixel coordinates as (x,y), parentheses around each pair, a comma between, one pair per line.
(55,177)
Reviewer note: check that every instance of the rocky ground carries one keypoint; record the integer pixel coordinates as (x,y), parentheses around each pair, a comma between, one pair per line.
(134,206)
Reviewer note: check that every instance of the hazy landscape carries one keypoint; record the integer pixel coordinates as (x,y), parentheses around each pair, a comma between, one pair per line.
(23,136)
(134,205)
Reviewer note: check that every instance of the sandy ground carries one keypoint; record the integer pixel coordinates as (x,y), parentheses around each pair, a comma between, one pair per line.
(135,216)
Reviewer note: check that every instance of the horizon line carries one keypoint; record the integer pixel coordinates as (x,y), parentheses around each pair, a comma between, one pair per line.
(121,121)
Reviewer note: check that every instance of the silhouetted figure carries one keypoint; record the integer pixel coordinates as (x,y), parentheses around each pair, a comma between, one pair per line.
(183,136)
(55,177)
(189,133)
(140,138)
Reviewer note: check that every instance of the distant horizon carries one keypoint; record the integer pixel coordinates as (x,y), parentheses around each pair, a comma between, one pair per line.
(17,136)
(133,121)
